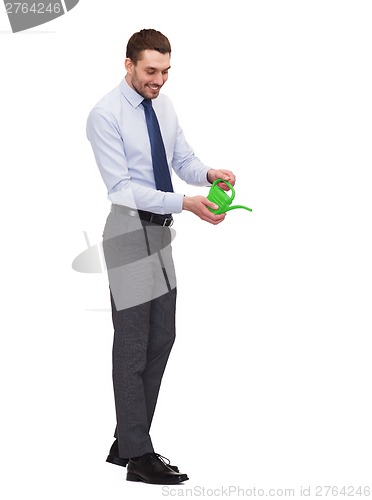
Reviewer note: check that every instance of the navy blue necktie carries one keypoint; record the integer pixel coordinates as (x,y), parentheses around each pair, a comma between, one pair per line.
(162,176)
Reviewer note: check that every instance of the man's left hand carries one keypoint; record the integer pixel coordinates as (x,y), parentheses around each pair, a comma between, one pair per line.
(226,175)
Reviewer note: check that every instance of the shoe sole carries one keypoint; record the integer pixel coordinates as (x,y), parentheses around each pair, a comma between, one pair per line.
(134,477)
(123,463)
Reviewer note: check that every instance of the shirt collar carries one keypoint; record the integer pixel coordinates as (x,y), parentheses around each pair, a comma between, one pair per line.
(133,97)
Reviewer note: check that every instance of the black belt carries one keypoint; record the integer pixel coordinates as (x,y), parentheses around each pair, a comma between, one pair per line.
(162,220)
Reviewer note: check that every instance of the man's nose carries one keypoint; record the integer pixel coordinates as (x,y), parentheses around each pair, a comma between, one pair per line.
(159,80)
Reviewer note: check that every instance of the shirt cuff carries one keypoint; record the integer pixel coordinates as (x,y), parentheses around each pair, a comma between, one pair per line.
(207,183)
(173,203)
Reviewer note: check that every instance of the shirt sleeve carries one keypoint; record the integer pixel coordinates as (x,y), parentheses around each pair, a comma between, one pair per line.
(186,165)
(107,143)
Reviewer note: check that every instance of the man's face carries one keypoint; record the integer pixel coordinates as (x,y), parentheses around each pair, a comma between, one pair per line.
(149,74)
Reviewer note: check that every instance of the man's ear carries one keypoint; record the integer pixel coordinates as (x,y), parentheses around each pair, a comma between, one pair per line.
(129,65)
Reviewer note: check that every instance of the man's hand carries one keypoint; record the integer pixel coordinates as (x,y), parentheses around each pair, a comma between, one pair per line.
(198,206)
(226,175)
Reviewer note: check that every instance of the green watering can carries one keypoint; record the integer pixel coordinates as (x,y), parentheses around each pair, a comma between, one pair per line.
(222,199)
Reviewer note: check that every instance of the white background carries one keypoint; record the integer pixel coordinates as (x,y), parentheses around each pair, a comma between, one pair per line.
(269,381)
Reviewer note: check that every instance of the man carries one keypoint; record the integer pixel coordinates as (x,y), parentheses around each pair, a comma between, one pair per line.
(137,142)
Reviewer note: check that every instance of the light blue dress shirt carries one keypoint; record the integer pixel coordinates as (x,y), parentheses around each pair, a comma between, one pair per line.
(117,131)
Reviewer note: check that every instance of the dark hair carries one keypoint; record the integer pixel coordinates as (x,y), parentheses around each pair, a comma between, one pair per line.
(147,40)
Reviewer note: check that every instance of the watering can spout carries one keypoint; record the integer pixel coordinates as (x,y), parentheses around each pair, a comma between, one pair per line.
(239,206)
(218,196)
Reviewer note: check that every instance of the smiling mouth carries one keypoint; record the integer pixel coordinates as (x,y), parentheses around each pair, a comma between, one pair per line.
(154,87)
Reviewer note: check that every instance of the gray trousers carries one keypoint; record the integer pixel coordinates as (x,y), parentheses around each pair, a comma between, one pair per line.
(143,301)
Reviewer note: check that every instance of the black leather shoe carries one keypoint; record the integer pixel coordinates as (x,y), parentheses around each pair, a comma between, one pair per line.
(113,457)
(150,468)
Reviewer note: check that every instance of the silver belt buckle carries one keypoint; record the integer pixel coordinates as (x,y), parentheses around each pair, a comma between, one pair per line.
(168,219)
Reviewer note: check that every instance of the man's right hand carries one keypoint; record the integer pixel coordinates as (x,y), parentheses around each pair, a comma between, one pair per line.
(198,206)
